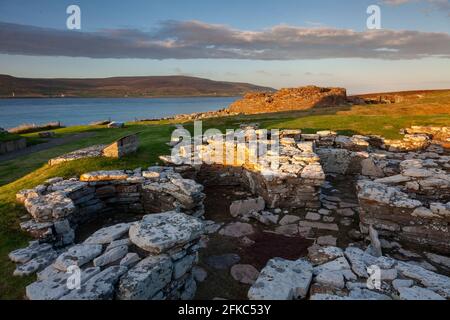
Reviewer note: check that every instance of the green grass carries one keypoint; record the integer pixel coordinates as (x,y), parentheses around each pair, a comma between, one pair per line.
(31,128)
(30,170)
(6,136)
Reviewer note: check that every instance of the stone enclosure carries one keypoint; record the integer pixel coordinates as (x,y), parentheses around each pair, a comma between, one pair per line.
(13,145)
(118,149)
(397,202)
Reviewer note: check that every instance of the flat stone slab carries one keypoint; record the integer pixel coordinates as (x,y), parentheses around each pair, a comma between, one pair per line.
(108,234)
(237,230)
(78,255)
(89,152)
(36,264)
(319,225)
(111,256)
(320,255)
(157,233)
(244,273)
(99,287)
(33,250)
(418,293)
(199,274)
(332,279)
(282,280)
(327,241)
(289,219)
(55,205)
(104,176)
(144,280)
(56,286)
(242,207)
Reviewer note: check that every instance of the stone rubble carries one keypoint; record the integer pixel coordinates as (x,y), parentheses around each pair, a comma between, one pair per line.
(331,273)
(59,206)
(118,149)
(294,184)
(391,197)
(113,268)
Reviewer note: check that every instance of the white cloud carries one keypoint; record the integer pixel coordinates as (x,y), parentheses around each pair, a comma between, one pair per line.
(196,40)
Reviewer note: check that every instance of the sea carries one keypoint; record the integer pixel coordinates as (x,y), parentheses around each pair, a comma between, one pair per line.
(81,111)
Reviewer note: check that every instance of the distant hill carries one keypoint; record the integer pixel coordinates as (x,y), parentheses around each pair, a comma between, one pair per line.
(154,86)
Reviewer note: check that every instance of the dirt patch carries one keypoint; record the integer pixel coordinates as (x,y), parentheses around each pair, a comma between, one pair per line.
(219,283)
(269,245)
(218,201)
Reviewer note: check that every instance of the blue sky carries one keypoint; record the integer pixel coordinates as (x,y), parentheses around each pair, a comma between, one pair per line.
(287,64)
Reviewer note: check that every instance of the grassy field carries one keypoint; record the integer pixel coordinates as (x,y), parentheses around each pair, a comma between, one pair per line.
(6,136)
(30,170)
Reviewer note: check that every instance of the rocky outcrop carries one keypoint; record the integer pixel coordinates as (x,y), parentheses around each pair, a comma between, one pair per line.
(289,100)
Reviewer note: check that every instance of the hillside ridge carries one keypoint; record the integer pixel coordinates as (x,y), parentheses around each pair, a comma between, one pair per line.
(115,87)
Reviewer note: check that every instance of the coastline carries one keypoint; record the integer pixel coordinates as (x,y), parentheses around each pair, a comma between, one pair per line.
(132,97)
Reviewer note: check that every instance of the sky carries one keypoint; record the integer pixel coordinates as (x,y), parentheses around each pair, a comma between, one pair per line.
(284,43)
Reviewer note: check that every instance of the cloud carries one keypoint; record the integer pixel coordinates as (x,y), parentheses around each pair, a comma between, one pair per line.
(263,73)
(322,74)
(440,5)
(198,40)
(397,2)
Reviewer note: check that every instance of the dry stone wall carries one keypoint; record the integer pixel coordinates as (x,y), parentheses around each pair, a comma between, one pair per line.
(11,146)
(295,182)
(403,189)
(58,206)
(151,259)
(332,273)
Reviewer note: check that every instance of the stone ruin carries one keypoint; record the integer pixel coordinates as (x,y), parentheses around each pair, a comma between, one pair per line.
(394,216)
(118,149)
(290,99)
(150,258)
(332,273)
(295,183)
(122,147)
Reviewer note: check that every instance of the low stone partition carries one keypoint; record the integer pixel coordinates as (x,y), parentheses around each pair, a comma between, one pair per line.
(85,153)
(122,147)
(294,183)
(117,149)
(399,216)
(58,206)
(437,134)
(13,145)
(151,259)
(331,273)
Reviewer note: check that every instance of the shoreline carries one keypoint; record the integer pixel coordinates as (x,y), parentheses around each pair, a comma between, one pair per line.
(146,97)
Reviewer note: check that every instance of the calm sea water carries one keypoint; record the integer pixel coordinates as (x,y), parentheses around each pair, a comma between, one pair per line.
(69,111)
